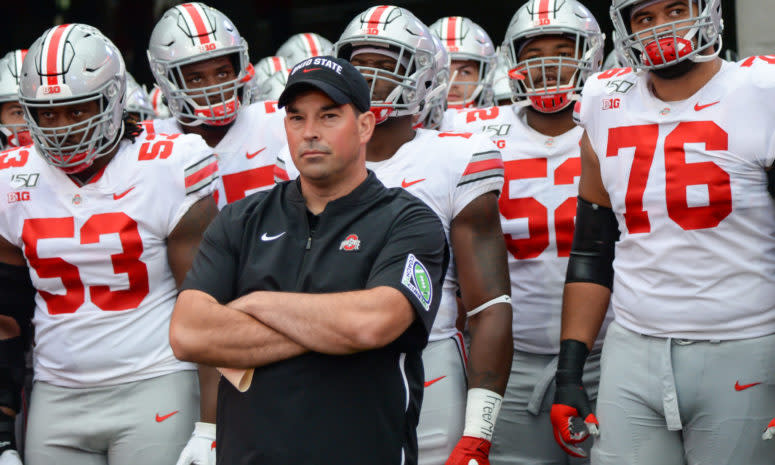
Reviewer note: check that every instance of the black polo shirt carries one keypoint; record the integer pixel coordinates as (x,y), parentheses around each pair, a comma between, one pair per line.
(316,408)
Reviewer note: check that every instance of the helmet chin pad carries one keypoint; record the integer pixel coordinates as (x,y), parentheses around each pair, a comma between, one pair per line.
(551,103)
(666,50)
(73,169)
(221,115)
(381,114)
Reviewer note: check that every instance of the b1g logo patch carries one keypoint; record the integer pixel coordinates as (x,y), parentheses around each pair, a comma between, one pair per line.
(417,279)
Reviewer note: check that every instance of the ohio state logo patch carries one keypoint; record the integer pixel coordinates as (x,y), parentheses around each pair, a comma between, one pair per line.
(351,243)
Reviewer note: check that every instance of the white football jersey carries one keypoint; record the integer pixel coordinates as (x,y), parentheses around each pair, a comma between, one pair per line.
(247,154)
(687,182)
(538,212)
(97,255)
(446,170)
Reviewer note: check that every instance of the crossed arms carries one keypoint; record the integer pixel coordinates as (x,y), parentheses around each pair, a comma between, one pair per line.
(266,327)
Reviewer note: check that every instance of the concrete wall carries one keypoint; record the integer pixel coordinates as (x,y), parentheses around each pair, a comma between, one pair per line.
(755,29)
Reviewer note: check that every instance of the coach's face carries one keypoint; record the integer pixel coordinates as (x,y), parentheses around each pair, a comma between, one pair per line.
(327,141)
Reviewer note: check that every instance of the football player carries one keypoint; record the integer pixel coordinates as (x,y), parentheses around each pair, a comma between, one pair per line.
(200,63)
(473,58)
(459,176)
(550,49)
(104,267)
(675,160)
(305,45)
(13,130)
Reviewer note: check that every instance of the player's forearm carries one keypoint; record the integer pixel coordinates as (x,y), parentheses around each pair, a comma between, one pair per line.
(208,393)
(492,349)
(336,323)
(584,306)
(205,332)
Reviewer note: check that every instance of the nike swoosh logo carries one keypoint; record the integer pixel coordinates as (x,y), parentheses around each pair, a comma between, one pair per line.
(266,238)
(160,418)
(405,184)
(251,155)
(698,107)
(311,69)
(743,387)
(118,196)
(428,383)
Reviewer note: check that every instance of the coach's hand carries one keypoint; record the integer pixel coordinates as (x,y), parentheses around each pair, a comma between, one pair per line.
(10,457)
(470,451)
(200,449)
(769,433)
(571,400)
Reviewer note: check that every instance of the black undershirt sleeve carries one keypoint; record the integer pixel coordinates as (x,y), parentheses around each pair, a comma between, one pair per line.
(771,180)
(214,270)
(414,261)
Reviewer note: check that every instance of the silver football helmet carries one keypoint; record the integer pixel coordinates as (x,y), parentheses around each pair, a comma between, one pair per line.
(615,59)
(531,79)
(466,40)
(271,76)
(397,33)
(667,44)
(137,100)
(432,114)
(501,89)
(71,64)
(14,134)
(190,33)
(299,47)
(160,108)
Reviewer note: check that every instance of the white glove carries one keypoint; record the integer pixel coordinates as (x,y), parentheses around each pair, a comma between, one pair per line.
(200,449)
(11,457)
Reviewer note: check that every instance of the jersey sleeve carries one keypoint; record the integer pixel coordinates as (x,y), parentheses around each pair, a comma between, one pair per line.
(483,173)
(197,173)
(414,261)
(214,270)
(761,70)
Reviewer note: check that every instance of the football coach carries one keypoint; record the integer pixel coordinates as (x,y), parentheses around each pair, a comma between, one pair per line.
(326,285)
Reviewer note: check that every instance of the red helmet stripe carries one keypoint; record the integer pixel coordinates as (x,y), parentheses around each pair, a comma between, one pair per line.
(451,28)
(277,65)
(314,50)
(543,10)
(376,15)
(198,21)
(52,53)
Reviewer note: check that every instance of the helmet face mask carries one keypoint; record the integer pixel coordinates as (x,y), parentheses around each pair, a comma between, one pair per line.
(189,35)
(547,81)
(74,65)
(398,34)
(73,147)
(466,42)
(689,37)
(432,115)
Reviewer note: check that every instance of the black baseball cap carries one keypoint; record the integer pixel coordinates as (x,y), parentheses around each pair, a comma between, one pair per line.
(335,77)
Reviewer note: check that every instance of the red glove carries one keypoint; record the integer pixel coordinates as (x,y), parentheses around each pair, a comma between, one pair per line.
(769,433)
(470,451)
